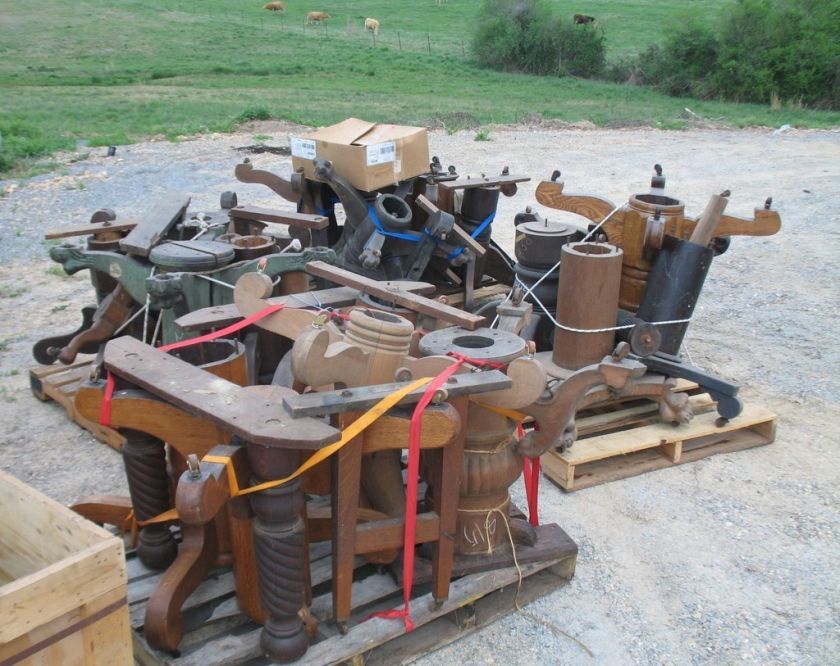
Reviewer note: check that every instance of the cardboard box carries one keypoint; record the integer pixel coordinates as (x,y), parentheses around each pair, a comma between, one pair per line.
(62,585)
(370,156)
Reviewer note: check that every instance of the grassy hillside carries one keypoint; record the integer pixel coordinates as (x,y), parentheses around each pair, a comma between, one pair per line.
(110,71)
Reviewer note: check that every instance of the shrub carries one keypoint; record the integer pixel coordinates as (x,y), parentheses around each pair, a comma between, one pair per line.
(253,113)
(786,50)
(526,36)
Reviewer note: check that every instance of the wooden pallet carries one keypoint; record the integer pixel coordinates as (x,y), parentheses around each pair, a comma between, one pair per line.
(217,633)
(630,440)
(60,383)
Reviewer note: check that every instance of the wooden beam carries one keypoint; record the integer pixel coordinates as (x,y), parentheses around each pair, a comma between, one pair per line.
(396,295)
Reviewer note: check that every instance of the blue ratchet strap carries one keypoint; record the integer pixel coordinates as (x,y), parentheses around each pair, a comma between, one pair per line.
(481,227)
(390,234)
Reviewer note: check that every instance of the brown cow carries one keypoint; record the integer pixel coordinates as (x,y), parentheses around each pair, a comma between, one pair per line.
(276,6)
(583,19)
(316,17)
(372,25)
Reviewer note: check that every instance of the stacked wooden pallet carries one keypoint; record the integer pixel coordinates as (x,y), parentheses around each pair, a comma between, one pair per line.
(629,439)
(60,383)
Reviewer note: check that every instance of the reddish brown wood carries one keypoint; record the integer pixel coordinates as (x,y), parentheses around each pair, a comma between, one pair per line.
(587,298)
(164,623)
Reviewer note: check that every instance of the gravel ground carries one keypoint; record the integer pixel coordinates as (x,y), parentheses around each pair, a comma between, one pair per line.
(730,559)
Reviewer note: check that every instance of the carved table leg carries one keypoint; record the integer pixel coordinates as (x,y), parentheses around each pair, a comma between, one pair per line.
(144,458)
(280,550)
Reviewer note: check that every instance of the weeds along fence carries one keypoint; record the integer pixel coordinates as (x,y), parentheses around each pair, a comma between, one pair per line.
(339,28)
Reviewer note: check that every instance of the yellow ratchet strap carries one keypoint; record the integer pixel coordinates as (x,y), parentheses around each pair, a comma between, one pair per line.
(348,434)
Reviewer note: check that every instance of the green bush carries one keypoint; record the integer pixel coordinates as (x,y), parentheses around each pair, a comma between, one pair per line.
(786,50)
(526,36)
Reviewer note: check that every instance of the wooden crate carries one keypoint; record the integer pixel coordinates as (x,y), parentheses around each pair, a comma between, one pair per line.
(217,633)
(60,383)
(62,585)
(630,440)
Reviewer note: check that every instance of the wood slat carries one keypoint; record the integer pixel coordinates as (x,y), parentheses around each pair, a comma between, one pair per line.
(247,414)
(627,441)
(365,397)
(396,295)
(300,220)
(630,451)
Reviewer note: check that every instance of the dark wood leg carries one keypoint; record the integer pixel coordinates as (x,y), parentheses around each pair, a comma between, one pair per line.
(164,623)
(144,458)
(280,549)
(347,469)
(448,480)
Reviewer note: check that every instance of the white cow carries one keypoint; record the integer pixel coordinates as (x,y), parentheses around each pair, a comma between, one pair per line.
(372,25)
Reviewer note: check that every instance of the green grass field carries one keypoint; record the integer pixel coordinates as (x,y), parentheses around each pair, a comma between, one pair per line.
(108,71)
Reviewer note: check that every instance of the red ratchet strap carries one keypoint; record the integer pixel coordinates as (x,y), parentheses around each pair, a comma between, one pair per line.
(415,432)
(531,477)
(493,365)
(105,410)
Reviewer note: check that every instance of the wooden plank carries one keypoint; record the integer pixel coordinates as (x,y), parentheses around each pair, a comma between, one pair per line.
(300,220)
(27,517)
(756,429)
(219,316)
(395,295)
(215,587)
(628,441)
(59,588)
(61,384)
(377,631)
(482,181)
(53,651)
(90,229)
(365,397)
(370,633)
(446,630)
(634,415)
(364,592)
(256,418)
(155,223)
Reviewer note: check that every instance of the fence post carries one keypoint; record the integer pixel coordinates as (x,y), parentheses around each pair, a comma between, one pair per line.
(373,34)
(399,40)
(429,42)
(463,52)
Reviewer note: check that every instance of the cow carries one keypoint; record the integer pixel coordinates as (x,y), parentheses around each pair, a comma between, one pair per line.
(316,17)
(372,25)
(583,19)
(276,6)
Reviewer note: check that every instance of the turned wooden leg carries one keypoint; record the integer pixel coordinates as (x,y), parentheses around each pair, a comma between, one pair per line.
(280,548)
(144,458)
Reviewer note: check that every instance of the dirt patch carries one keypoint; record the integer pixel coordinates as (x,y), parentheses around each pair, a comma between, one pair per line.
(730,559)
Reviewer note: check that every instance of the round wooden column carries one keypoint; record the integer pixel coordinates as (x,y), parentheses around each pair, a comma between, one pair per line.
(280,549)
(587,298)
(144,458)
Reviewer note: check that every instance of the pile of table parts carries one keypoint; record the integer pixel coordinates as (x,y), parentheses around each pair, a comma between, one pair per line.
(378,385)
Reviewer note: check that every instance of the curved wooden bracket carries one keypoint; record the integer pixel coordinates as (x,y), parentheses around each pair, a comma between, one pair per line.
(590,206)
(246,173)
(251,295)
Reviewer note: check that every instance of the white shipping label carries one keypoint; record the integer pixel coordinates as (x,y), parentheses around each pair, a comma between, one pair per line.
(381,153)
(304,148)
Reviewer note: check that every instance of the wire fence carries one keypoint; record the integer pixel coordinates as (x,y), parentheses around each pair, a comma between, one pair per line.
(349,29)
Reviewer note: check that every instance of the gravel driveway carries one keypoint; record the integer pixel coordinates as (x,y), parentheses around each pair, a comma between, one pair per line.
(730,559)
